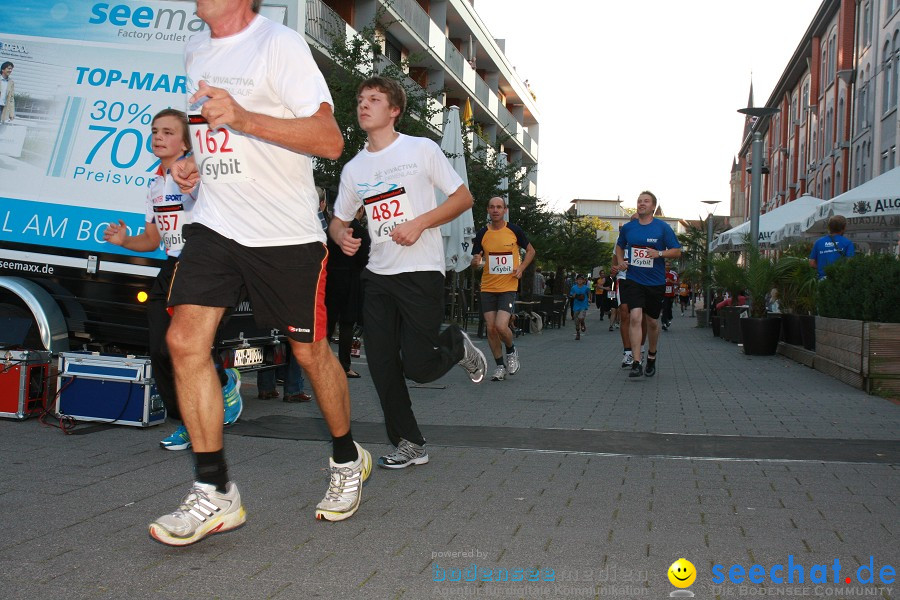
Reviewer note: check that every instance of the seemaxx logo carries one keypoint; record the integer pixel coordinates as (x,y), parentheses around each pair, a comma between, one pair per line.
(145,17)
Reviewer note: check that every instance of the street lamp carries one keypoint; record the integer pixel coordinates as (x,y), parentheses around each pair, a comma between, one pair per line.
(709,236)
(756,169)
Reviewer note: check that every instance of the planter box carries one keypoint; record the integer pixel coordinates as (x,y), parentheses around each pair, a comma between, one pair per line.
(702,317)
(881,360)
(839,344)
(865,355)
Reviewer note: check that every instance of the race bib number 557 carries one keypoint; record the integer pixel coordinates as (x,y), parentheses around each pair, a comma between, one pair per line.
(386,211)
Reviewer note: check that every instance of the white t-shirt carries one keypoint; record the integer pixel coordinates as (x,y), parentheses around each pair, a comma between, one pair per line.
(170,209)
(397,184)
(255,192)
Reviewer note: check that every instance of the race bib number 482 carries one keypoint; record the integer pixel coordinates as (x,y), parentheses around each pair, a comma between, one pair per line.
(220,153)
(386,211)
(640,257)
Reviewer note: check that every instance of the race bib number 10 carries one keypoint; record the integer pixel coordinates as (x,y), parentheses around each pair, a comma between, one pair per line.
(500,263)
(386,211)
(220,153)
(640,257)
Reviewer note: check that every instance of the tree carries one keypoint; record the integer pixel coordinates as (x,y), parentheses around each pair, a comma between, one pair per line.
(354,60)
(574,246)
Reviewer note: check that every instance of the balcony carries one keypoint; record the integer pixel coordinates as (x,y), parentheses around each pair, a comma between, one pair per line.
(454,59)
(323,24)
(482,91)
(414,16)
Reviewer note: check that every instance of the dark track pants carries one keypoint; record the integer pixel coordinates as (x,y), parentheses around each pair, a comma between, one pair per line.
(402,315)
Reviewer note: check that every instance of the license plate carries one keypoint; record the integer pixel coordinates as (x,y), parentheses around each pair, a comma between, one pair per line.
(245,357)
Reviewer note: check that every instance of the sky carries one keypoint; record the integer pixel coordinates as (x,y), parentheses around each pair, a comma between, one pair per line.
(643,94)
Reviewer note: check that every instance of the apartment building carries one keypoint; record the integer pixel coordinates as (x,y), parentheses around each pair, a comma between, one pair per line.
(449,49)
(837,125)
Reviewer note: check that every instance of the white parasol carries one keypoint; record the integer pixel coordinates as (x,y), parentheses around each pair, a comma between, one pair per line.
(458,233)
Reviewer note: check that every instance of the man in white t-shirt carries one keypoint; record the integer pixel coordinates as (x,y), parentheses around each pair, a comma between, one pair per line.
(259,110)
(394,178)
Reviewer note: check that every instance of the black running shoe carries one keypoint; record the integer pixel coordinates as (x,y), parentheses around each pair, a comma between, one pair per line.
(636,370)
(650,371)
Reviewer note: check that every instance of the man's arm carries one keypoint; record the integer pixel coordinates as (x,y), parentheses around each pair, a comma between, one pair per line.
(620,259)
(342,234)
(530,252)
(146,241)
(408,233)
(317,135)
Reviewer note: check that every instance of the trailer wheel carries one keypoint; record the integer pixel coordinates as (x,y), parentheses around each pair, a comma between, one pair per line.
(12,318)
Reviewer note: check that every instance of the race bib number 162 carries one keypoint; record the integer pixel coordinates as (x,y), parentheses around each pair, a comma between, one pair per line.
(220,153)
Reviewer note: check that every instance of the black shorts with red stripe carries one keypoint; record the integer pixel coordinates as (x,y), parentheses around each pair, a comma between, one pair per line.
(284,284)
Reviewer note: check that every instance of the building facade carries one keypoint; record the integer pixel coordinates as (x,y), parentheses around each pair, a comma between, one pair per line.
(837,125)
(448,48)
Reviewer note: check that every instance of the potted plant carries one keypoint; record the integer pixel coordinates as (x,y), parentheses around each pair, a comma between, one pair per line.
(760,333)
(729,276)
(858,323)
(796,282)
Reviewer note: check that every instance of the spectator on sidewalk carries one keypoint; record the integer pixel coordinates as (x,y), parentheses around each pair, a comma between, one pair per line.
(830,248)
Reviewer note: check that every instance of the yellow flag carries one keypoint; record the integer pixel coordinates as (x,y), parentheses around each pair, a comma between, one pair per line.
(467,113)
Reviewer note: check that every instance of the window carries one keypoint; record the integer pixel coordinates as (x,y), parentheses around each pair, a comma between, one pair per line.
(856,174)
(884,161)
(837,183)
(840,120)
(822,79)
(893,162)
(896,71)
(805,105)
(832,57)
(888,78)
(867,24)
(392,49)
(828,142)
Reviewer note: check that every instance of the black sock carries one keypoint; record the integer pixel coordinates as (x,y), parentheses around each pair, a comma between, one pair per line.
(343,449)
(510,349)
(499,361)
(210,467)
(651,355)
(626,350)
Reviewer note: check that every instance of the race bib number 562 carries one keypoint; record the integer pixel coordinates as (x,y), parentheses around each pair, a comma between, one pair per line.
(386,211)
(220,153)
(640,257)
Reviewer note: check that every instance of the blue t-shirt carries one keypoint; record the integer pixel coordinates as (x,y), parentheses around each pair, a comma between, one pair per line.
(657,235)
(826,251)
(584,302)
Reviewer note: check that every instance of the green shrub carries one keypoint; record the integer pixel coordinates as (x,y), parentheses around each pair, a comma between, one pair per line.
(863,287)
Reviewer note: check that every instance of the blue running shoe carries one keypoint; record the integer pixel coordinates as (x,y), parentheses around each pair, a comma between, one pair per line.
(232,394)
(179,440)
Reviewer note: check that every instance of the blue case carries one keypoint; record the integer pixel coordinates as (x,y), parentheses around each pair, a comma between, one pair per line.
(118,390)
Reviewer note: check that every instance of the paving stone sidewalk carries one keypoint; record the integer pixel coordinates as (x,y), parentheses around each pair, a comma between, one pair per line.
(76,507)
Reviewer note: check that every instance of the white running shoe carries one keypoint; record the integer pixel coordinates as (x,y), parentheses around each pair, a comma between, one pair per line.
(345,488)
(499,373)
(512,362)
(473,361)
(203,512)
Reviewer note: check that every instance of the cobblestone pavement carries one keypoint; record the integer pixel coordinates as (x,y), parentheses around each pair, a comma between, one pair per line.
(496,501)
